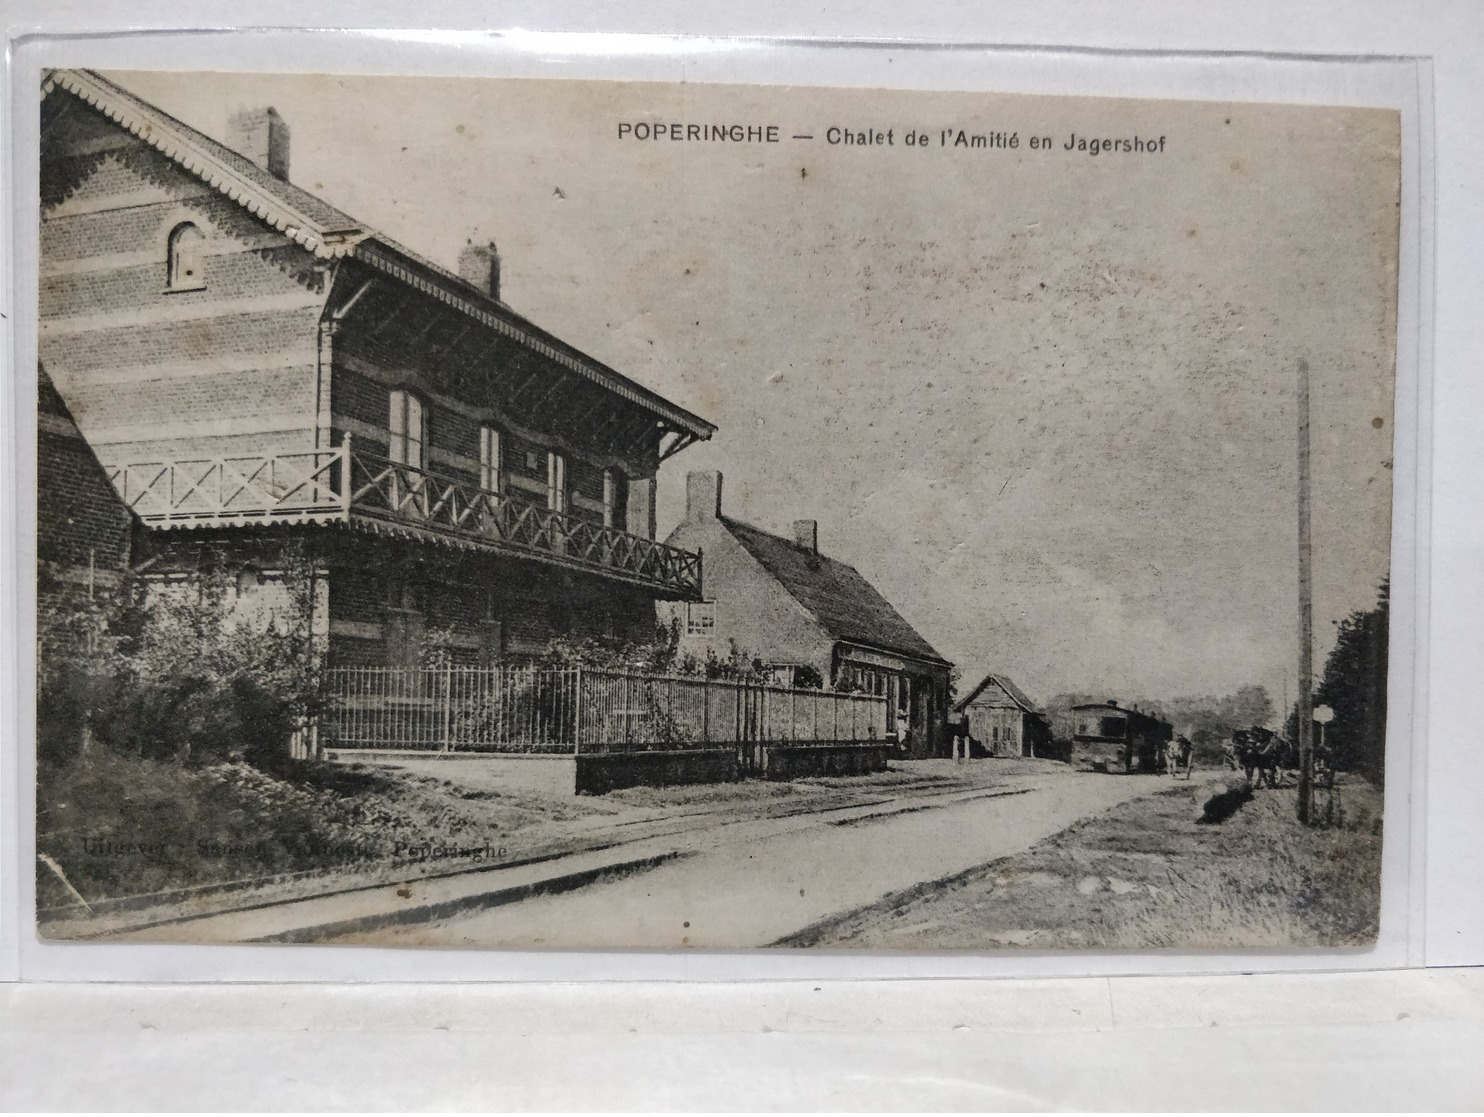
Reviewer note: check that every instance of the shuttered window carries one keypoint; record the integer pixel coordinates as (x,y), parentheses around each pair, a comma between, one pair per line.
(556,481)
(489,458)
(408,429)
(615,499)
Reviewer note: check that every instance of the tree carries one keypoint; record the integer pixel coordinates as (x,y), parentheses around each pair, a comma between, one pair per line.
(1250,705)
(1354,686)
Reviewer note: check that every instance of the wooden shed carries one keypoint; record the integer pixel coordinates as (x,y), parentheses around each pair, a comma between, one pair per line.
(1002,721)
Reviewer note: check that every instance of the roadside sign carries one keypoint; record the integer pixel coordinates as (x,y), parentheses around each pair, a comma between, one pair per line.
(1323,715)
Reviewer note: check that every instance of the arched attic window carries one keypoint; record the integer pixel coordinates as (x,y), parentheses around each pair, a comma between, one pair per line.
(184,258)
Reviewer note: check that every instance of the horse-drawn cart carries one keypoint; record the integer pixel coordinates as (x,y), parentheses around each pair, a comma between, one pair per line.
(1262,754)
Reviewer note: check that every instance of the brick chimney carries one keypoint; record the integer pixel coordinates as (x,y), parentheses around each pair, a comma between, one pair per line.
(703,495)
(263,137)
(806,535)
(479,264)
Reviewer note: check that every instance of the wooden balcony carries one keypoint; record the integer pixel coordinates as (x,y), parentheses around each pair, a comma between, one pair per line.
(211,492)
(345,485)
(432,503)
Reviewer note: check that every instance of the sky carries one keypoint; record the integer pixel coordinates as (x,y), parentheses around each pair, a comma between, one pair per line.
(1043,399)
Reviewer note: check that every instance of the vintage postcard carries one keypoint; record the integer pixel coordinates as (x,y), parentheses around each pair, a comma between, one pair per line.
(568,514)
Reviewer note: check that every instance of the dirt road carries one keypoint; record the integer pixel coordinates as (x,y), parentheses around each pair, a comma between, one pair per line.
(752,883)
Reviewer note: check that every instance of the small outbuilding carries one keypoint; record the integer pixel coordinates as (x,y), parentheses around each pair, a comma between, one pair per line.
(1002,721)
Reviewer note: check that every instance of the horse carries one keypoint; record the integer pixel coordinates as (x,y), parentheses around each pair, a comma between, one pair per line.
(1259,759)
(1265,753)
(1285,756)
(1233,749)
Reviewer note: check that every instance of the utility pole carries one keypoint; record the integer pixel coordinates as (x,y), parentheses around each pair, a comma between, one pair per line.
(1306,605)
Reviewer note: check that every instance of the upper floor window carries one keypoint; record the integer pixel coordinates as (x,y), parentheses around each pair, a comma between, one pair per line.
(556,481)
(489,458)
(184,258)
(615,499)
(408,426)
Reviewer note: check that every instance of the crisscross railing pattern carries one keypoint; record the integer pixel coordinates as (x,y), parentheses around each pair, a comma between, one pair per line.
(204,491)
(389,490)
(342,482)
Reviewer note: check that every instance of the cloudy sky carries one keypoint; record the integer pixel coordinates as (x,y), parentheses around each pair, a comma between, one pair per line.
(1044,400)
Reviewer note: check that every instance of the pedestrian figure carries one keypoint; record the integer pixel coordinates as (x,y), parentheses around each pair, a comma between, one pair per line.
(1178,757)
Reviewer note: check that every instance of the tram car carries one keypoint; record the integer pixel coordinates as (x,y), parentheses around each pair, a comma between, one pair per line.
(1127,738)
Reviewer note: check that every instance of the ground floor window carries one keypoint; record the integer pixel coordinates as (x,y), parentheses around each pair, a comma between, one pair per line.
(700,618)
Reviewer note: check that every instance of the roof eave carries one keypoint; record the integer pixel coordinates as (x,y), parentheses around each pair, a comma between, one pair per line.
(881,649)
(378,253)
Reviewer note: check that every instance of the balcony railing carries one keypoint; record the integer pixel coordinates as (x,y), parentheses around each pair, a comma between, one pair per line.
(343,484)
(264,488)
(386,490)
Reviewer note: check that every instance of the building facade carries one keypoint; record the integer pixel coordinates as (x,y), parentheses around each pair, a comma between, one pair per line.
(808,619)
(83,530)
(259,373)
(1002,721)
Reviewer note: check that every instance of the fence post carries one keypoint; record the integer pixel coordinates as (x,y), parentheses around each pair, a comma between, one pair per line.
(347,475)
(705,711)
(577,717)
(447,707)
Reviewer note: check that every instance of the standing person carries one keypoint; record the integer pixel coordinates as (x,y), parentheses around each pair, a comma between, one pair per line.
(904,729)
(1184,754)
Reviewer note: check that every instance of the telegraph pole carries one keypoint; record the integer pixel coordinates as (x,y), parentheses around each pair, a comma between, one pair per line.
(1306,605)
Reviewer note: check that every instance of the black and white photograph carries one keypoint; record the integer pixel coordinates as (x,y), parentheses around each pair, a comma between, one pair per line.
(568,514)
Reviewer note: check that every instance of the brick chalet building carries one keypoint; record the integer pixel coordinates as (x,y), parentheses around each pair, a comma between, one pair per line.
(250,365)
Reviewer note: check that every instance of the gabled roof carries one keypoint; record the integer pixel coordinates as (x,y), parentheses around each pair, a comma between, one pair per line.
(331,234)
(846,605)
(298,214)
(1004,683)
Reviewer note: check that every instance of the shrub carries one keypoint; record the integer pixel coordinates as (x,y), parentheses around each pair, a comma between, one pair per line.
(177,669)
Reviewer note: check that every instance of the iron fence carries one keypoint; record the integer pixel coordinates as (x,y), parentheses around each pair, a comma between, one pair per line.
(578,709)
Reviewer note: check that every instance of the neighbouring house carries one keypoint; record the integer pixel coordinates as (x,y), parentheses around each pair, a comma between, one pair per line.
(1002,721)
(1120,735)
(84,533)
(254,368)
(810,620)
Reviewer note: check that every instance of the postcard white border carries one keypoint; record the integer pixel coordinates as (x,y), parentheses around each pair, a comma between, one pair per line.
(1400,83)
